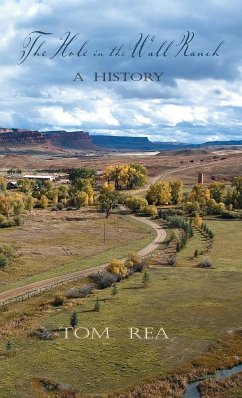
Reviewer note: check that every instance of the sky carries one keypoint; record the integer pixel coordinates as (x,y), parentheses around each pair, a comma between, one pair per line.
(194,48)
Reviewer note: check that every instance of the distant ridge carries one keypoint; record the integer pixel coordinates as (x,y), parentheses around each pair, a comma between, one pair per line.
(63,139)
(143,143)
(11,137)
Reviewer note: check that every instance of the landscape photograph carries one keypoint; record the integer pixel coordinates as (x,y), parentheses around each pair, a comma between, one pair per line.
(120,199)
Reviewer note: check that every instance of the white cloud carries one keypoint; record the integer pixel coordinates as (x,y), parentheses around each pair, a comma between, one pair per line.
(197,98)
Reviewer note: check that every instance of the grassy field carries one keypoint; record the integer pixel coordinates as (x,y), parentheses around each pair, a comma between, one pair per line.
(226,252)
(51,243)
(194,306)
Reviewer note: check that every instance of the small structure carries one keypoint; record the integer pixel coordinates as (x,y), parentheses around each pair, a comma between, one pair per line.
(200,178)
(39,177)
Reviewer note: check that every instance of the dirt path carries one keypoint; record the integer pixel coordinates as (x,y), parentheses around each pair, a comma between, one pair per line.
(42,285)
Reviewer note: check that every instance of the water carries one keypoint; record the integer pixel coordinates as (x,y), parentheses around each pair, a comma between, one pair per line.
(192,391)
(145,153)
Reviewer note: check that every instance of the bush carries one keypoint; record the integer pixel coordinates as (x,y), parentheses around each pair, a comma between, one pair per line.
(171,261)
(18,221)
(150,210)
(7,250)
(105,279)
(58,300)
(205,264)
(43,334)
(118,267)
(233,215)
(60,206)
(139,267)
(6,223)
(82,292)
(133,259)
(3,261)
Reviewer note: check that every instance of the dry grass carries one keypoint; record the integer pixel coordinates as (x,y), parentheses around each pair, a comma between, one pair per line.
(61,242)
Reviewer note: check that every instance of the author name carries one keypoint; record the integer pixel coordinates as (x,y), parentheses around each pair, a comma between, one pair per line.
(131,333)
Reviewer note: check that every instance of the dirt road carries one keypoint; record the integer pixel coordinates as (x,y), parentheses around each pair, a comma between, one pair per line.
(42,285)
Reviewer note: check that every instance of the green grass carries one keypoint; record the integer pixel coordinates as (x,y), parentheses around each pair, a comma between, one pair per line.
(194,306)
(173,300)
(226,252)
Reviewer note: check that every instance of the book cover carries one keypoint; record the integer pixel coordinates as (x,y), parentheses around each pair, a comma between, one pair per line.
(120,199)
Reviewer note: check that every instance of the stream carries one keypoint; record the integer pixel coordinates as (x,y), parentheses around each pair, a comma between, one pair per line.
(192,391)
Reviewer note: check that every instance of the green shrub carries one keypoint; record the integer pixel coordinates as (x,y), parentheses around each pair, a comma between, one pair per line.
(3,261)
(18,221)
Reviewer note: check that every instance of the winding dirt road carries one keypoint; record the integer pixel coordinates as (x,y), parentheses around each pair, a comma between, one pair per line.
(37,287)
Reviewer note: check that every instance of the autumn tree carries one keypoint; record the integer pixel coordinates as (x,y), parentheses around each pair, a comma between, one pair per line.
(237,194)
(44,201)
(217,191)
(136,203)
(6,204)
(3,184)
(117,267)
(29,202)
(197,220)
(127,176)
(63,194)
(176,188)
(159,193)
(26,185)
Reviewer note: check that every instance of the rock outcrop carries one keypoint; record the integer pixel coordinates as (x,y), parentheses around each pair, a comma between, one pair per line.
(63,139)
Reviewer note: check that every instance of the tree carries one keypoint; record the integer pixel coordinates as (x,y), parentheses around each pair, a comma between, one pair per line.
(150,210)
(196,253)
(217,190)
(78,198)
(108,201)
(132,260)
(63,194)
(176,191)
(6,204)
(117,267)
(114,290)
(44,201)
(3,184)
(136,203)
(97,306)
(237,194)
(159,193)
(129,176)
(29,203)
(18,204)
(82,173)
(74,320)
(3,260)
(145,279)
(8,345)
(197,220)
(26,185)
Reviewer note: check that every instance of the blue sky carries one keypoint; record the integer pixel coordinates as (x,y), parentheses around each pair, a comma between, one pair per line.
(197,98)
